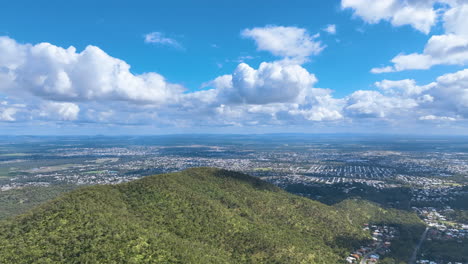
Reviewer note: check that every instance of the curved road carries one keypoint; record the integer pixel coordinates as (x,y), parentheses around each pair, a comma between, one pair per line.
(413,256)
(365,257)
(415,252)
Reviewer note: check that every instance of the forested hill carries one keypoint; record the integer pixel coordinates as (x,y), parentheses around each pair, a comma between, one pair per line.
(198,215)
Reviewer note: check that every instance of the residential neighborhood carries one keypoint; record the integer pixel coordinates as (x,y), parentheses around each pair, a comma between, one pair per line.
(378,246)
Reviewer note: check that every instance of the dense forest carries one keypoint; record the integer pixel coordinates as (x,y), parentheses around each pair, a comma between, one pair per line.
(198,215)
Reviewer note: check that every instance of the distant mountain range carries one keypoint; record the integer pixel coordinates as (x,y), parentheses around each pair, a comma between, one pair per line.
(201,215)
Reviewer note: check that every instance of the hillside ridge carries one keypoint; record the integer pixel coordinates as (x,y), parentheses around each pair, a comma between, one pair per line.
(200,215)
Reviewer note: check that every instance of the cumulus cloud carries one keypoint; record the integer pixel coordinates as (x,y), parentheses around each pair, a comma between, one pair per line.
(318,113)
(316,110)
(273,93)
(319,108)
(405,87)
(90,86)
(374,104)
(455,19)
(7,113)
(59,74)
(54,82)
(445,99)
(450,48)
(12,53)
(270,83)
(447,49)
(10,111)
(451,93)
(288,42)
(60,83)
(60,111)
(161,39)
(420,14)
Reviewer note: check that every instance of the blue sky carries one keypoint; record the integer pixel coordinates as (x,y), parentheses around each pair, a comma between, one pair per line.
(283,71)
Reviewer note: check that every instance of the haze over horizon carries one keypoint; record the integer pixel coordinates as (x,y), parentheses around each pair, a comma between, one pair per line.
(349,66)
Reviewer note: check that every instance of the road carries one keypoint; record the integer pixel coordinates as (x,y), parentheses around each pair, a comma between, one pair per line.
(365,257)
(416,249)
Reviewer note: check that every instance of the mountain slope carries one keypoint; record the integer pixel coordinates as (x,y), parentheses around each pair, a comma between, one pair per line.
(199,215)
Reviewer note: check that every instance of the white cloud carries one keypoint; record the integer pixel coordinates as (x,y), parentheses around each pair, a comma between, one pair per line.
(437,118)
(159,38)
(59,74)
(450,48)
(419,14)
(440,49)
(405,87)
(320,108)
(319,105)
(451,93)
(319,113)
(455,19)
(12,54)
(383,69)
(275,93)
(446,97)
(90,86)
(11,111)
(60,111)
(371,11)
(271,83)
(8,113)
(288,42)
(330,29)
(374,104)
